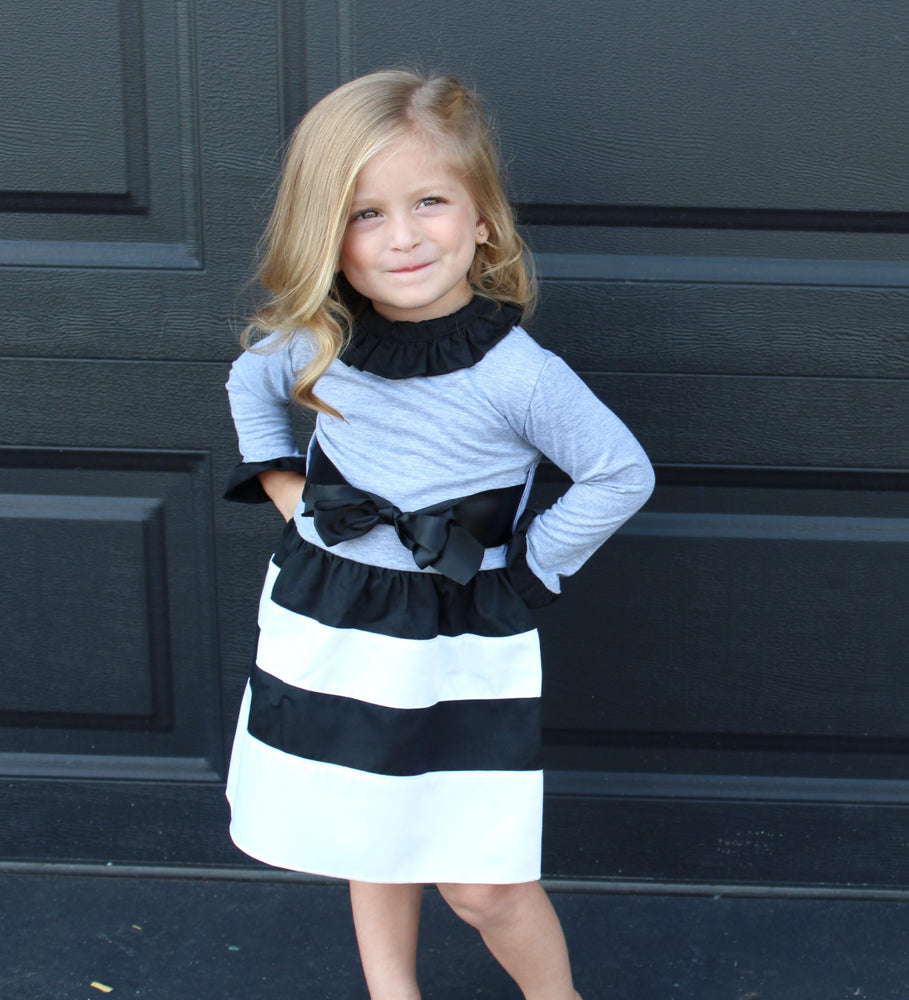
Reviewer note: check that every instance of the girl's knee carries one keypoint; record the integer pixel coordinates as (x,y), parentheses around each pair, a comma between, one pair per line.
(480,905)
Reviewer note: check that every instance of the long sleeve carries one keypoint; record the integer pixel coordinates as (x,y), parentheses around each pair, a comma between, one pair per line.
(260,389)
(611,475)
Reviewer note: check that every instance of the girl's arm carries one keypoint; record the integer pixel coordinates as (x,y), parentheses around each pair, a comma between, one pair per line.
(284,489)
(611,477)
(260,389)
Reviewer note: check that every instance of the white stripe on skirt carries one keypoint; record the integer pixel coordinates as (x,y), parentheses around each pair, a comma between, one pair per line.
(397,673)
(448,826)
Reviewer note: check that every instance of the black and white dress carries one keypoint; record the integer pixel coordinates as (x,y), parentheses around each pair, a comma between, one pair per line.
(390,729)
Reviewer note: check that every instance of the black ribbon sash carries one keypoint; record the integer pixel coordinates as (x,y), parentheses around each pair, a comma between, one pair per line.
(451,536)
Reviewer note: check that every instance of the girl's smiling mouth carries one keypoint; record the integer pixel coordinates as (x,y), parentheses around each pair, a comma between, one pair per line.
(409,269)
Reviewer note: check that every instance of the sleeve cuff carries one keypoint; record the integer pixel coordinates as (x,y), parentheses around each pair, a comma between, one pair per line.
(531,589)
(243,484)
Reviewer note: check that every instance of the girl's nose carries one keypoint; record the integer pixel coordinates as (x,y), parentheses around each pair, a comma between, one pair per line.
(405,232)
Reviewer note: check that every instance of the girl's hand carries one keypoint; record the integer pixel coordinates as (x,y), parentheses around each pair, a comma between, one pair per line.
(284,489)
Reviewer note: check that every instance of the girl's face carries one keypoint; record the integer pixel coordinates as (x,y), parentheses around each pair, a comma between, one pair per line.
(412,234)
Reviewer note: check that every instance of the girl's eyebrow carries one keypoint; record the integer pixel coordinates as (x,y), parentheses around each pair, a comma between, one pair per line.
(434,186)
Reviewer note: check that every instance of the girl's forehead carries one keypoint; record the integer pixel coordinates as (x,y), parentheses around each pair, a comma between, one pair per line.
(410,153)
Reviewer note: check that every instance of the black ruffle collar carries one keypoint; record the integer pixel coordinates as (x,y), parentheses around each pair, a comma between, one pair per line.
(431,347)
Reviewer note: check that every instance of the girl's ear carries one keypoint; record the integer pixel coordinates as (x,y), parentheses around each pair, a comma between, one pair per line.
(482,231)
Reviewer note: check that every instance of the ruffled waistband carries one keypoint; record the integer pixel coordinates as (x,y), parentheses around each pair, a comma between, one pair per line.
(409,604)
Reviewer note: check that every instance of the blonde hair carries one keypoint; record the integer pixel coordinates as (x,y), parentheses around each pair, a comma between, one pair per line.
(326,153)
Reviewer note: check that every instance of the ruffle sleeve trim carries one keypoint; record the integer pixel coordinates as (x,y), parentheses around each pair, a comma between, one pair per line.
(243,484)
(533,592)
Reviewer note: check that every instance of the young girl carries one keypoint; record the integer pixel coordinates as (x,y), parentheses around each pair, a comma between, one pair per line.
(390,732)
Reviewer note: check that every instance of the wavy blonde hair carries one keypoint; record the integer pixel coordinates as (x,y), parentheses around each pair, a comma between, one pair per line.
(325,155)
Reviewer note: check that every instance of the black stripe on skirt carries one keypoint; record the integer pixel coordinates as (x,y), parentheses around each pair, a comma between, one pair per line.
(475,735)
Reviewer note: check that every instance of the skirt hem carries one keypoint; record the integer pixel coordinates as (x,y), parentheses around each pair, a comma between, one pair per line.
(458,879)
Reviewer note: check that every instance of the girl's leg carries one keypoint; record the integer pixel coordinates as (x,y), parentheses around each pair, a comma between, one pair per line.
(387,920)
(521,929)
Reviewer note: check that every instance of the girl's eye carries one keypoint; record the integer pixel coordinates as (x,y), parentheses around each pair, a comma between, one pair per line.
(366,215)
(431,201)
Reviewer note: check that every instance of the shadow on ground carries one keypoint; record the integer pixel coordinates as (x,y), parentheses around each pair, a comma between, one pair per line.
(190,939)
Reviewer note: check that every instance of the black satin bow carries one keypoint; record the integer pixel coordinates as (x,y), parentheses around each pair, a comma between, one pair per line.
(451,537)
(432,535)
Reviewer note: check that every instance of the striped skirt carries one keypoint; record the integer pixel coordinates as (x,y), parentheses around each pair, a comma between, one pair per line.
(390,729)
